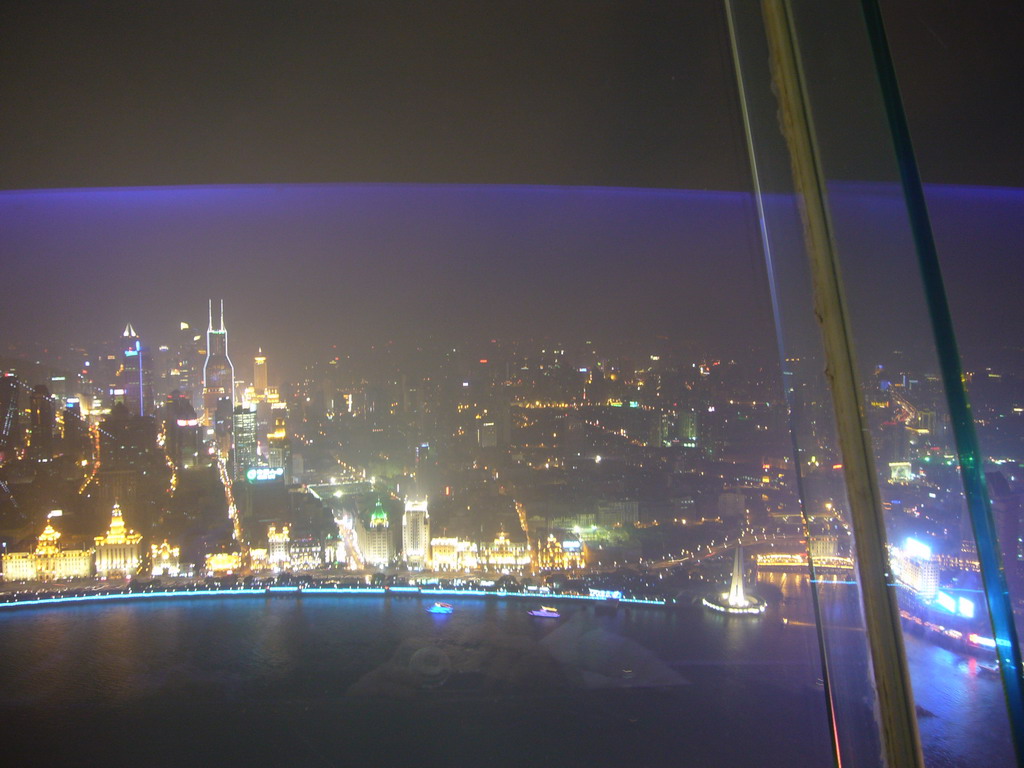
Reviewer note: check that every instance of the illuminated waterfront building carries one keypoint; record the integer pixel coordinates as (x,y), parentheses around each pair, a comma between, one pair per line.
(504,555)
(166,559)
(453,554)
(277,547)
(223,563)
(916,568)
(259,559)
(375,541)
(555,555)
(822,547)
(218,372)
(416,534)
(119,552)
(305,553)
(48,561)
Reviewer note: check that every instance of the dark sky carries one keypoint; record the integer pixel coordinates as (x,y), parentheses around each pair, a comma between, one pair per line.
(571,94)
(549,92)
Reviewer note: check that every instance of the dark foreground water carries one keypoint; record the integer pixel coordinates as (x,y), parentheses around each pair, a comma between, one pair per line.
(368,680)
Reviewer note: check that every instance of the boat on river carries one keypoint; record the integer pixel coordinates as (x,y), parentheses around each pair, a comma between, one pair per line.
(545,612)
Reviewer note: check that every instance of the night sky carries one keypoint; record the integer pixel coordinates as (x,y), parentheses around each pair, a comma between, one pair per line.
(575,95)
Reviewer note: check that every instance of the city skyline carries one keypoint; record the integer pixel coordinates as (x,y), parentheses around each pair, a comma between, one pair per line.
(540,382)
(342,265)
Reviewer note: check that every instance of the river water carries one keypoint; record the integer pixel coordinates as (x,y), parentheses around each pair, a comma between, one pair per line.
(323,680)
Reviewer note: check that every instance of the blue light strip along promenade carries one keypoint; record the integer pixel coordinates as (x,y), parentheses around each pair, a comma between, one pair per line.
(328,591)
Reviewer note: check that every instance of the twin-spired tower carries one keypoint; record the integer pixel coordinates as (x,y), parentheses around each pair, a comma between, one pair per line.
(218,372)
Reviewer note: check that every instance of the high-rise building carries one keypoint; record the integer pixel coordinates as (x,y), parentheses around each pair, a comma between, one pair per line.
(41,423)
(279,445)
(218,372)
(184,374)
(416,534)
(137,374)
(183,438)
(259,373)
(8,416)
(75,437)
(243,440)
(375,541)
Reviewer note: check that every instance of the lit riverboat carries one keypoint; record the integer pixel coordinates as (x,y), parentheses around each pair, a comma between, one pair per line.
(545,612)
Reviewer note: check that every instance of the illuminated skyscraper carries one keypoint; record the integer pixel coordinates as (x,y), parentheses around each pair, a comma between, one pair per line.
(416,534)
(137,374)
(181,365)
(218,372)
(375,541)
(259,373)
(243,440)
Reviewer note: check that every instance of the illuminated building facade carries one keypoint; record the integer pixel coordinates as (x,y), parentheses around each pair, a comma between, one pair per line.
(136,374)
(223,563)
(279,445)
(259,373)
(218,372)
(243,440)
(916,568)
(259,559)
(416,534)
(119,552)
(504,555)
(822,547)
(277,547)
(555,555)
(48,562)
(375,541)
(453,554)
(166,559)
(306,553)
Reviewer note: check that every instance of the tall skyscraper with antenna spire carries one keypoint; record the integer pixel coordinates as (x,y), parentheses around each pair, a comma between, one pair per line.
(218,372)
